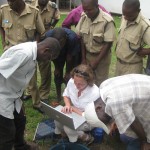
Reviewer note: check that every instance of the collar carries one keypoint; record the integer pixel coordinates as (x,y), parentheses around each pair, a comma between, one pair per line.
(25,11)
(99,18)
(46,8)
(136,21)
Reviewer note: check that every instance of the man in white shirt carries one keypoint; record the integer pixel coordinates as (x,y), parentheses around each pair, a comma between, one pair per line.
(126,99)
(17,66)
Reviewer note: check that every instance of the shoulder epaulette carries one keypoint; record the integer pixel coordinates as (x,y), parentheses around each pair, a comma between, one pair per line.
(146,21)
(33,7)
(83,14)
(107,17)
(54,5)
(4,5)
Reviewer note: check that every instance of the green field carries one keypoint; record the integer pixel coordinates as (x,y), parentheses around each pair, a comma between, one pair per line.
(33,117)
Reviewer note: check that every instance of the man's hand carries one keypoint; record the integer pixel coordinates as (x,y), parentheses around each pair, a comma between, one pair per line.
(145,146)
(113,128)
(67,109)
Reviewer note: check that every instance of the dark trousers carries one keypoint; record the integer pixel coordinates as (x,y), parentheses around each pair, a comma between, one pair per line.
(132,143)
(12,132)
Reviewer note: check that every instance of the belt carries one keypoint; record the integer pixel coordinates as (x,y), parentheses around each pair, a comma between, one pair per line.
(129,63)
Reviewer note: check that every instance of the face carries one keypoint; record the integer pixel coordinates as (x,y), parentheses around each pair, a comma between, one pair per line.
(89,9)
(13,4)
(100,111)
(47,55)
(80,82)
(130,14)
(42,2)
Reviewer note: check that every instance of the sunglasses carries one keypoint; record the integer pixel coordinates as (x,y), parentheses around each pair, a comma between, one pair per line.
(81,73)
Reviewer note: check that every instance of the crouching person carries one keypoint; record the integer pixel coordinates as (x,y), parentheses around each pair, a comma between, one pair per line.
(79,92)
(126,99)
(17,66)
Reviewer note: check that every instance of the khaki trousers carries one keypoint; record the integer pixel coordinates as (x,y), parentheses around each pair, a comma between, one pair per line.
(102,70)
(122,68)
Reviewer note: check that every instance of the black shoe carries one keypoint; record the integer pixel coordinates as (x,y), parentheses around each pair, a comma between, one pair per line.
(32,146)
(26,97)
(39,109)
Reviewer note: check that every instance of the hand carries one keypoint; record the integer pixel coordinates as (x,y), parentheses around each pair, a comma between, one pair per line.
(145,146)
(67,109)
(142,52)
(113,128)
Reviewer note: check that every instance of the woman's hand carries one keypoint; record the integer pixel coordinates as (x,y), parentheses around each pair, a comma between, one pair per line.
(67,109)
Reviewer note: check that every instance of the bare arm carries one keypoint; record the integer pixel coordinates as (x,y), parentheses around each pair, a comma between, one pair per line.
(76,110)
(67,108)
(138,129)
(83,51)
(2,32)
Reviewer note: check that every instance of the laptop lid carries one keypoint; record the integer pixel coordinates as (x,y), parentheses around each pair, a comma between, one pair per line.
(72,120)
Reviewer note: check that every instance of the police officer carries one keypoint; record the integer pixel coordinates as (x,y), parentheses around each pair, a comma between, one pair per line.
(20,22)
(97,31)
(50,16)
(134,33)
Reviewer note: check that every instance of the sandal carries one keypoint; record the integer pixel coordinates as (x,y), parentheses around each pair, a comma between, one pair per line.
(54,104)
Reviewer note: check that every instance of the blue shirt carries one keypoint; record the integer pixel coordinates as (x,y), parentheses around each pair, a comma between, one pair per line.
(72,45)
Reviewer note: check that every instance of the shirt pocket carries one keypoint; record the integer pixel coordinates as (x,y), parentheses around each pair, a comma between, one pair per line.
(134,41)
(29,32)
(98,39)
(85,35)
(7,27)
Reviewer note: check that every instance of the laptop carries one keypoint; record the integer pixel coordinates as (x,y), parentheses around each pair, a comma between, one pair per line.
(73,120)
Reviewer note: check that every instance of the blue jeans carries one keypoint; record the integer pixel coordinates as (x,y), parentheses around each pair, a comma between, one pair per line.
(132,143)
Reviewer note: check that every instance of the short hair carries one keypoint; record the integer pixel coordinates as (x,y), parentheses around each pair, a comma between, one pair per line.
(134,4)
(84,71)
(59,33)
(52,44)
(93,2)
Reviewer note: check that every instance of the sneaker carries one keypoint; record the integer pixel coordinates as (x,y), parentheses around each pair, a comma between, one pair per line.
(54,104)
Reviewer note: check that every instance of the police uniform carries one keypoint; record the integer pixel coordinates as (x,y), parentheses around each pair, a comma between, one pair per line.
(21,28)
(94,34)
(49,13)
(131,37)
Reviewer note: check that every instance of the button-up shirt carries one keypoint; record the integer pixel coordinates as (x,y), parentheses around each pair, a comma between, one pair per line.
(131,37)
(89,94)
(74,16)
(128,97)
(20,28)
(17,66)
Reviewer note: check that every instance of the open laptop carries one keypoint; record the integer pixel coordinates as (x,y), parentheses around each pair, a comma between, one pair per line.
(73,120)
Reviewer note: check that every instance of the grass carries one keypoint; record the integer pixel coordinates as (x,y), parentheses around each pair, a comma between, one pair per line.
(33,117)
